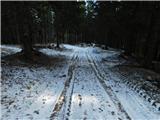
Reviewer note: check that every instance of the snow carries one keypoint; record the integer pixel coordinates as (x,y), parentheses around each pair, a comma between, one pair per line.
(30,90)
(136,107)
(89,100)
(9,49)
(81,87)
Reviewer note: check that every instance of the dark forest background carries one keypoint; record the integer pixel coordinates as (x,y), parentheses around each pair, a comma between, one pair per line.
(131,26)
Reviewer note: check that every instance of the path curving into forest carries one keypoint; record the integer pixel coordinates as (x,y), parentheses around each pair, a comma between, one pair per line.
(81,87)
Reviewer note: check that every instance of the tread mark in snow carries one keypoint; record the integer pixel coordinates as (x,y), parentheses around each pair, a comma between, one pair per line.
(80,99)
(70,100)
(63,96)
(108,89)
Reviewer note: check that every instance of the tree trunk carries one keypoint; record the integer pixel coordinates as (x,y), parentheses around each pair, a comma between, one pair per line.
(25,29)
(152,38)
(57,39)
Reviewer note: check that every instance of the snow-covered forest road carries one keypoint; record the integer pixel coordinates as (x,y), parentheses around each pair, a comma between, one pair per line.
(86,83)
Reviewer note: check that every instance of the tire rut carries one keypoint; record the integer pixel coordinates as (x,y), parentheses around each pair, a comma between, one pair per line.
(63,96)
(67,114)
(108,89)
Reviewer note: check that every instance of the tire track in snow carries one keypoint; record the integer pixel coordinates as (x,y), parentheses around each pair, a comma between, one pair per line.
(63,96)
(108,89)
(68,102)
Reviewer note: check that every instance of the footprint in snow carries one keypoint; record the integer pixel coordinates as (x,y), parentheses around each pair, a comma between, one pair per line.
(30,117)
(100,109)
(36,111)
(62,76)
(113,113)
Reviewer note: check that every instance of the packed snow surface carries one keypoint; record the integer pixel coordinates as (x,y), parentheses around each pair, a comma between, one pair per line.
(81,87)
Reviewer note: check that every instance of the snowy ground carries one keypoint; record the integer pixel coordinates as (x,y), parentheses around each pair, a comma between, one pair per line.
(86,85)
